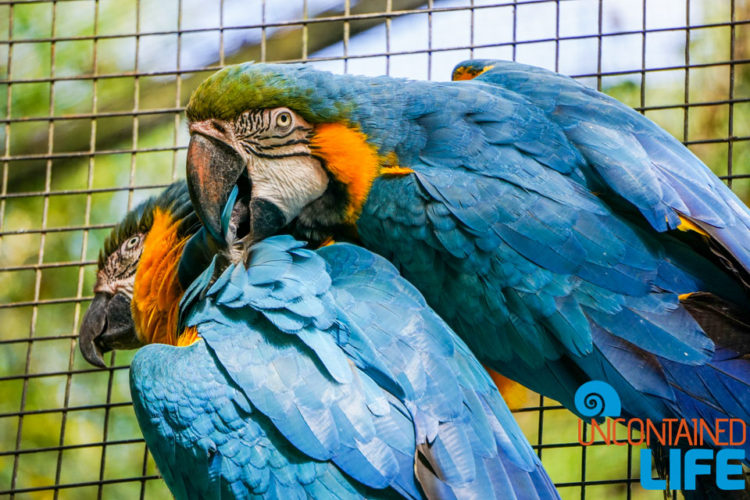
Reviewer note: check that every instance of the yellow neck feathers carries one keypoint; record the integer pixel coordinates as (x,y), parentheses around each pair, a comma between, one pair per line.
(352,161)
(157,291)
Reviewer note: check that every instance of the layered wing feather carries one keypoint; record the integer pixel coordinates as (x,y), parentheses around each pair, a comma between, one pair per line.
(345,365)
(210,443)
(513,231)
(465,431)
(634,157)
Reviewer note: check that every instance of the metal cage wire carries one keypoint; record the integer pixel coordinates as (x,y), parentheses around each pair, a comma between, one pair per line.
(85,140)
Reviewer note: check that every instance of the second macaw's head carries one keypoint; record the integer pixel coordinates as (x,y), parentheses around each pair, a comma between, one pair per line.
(137,290)
(294,142)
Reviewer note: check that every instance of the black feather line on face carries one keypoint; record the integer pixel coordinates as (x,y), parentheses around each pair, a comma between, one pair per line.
(174,200)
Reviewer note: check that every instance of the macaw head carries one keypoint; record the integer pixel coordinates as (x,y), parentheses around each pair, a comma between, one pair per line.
(295,142)
(137,289)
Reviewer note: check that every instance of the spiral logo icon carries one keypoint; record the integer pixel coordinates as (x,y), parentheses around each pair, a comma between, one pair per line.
(597,399)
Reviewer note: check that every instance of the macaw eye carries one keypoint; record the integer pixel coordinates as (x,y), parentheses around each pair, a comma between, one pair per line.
(132,242)
(284,119)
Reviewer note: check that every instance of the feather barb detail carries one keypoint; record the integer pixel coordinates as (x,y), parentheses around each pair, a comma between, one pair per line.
(396,171)
(188,337)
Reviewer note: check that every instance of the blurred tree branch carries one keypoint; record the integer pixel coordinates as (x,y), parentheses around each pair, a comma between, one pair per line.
(284,45)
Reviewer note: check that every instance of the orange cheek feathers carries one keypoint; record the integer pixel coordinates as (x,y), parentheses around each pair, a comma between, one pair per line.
(354,162)
(157,292)
(350,159)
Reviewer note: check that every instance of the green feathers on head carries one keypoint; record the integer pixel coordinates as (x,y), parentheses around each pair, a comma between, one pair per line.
(235,89)
(174,200)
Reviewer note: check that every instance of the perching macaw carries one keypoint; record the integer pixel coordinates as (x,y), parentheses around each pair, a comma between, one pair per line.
(564,236)
(309,374)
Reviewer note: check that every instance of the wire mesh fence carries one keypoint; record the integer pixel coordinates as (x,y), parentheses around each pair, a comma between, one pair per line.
(92,94)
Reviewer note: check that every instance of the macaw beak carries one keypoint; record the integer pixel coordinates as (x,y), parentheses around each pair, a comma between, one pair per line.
(213,169)
(107,325)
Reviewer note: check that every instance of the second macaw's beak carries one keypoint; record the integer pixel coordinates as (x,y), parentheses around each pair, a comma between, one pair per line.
(213,169)
(107,325)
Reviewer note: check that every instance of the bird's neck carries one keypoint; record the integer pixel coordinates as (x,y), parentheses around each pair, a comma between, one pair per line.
(351,160)
(354,164)
(157,291)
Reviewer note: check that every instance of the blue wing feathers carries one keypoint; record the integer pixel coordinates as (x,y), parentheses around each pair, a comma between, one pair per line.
(223,452)
(550,247)
(538,224)
(639,160)
(340,389)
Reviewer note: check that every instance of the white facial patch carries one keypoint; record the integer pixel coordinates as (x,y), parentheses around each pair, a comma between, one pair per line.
(290,183)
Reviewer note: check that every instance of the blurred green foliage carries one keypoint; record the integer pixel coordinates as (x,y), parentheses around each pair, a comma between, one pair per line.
(58,322)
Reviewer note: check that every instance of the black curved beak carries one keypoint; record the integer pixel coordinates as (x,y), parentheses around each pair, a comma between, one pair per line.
(107,325)
(213,169)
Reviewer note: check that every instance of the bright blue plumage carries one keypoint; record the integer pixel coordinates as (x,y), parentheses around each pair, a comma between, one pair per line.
(562,235)
(325,374)
(536,255)
(520,209)
(540,222)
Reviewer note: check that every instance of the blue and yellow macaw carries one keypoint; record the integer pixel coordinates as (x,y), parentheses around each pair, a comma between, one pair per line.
(563,236)
(135,300)
(319,374)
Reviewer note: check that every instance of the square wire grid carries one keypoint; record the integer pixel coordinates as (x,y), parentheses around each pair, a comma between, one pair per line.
(93,91)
